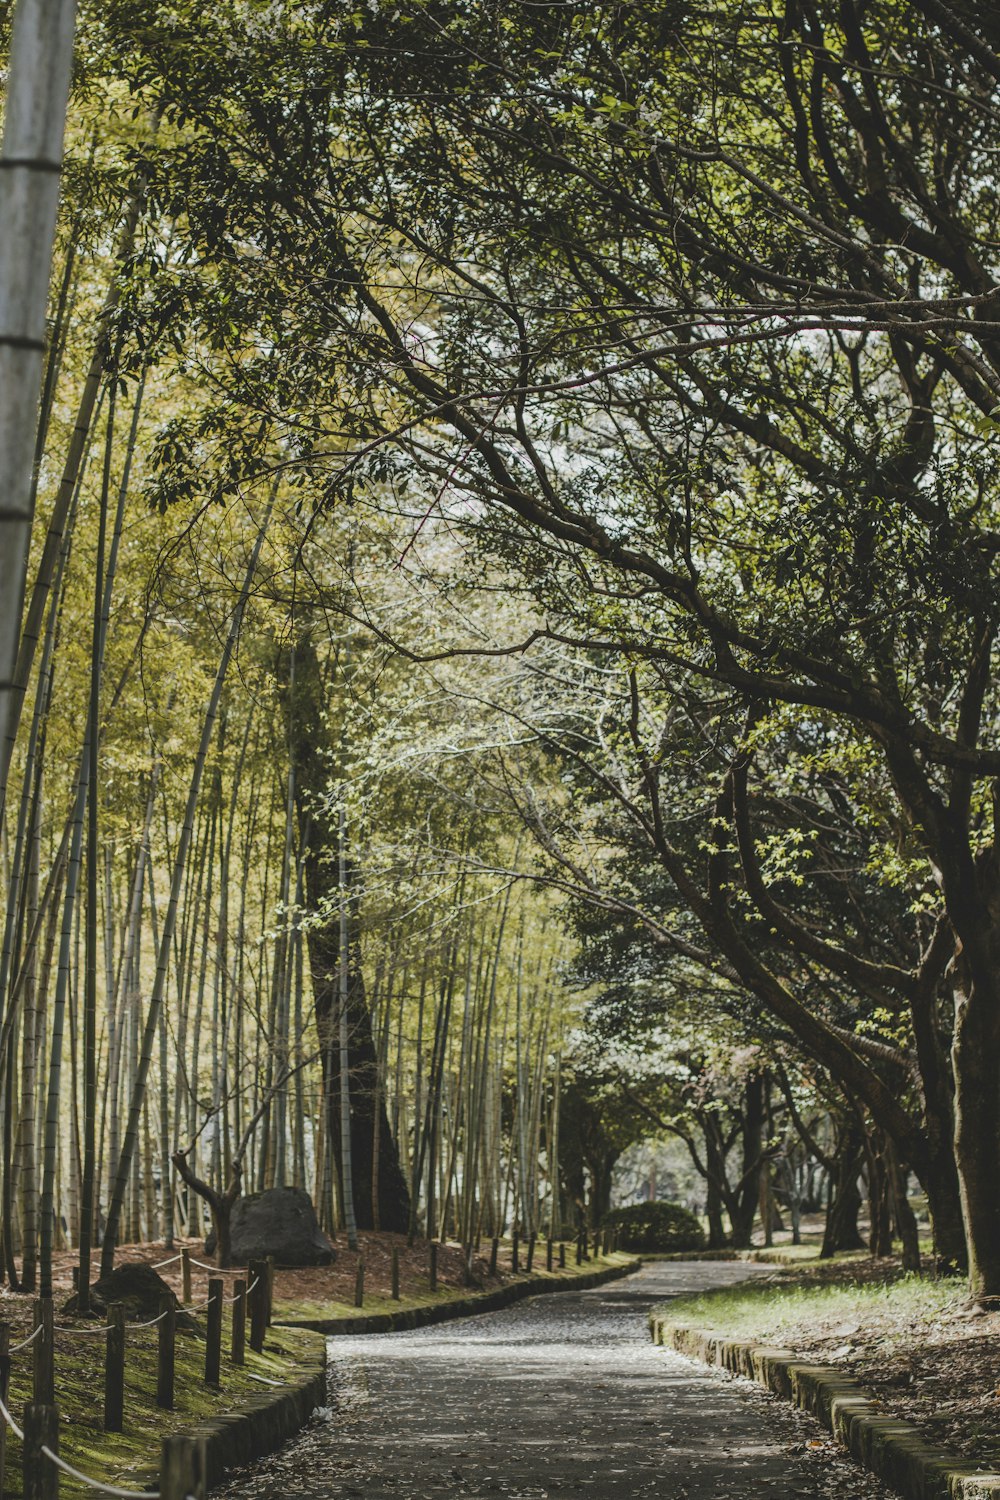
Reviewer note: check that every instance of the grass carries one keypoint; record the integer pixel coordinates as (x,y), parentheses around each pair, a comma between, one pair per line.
(422,1296)
(131,1458)
(779,1314)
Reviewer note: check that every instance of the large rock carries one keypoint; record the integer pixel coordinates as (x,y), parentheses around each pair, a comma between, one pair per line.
(137,1286)
(280,1222)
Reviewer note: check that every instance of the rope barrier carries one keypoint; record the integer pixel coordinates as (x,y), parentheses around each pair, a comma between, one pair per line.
(215,1270)
(262,1378)
(10,1421)
(255,1282)
(158,1319)
(100,1328)
(96,1484)
(25,1342)
(161,1263)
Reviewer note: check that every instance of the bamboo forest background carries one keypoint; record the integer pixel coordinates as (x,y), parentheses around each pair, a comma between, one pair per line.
(267,774)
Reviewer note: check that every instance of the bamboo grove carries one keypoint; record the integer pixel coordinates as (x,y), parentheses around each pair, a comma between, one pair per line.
(506,660)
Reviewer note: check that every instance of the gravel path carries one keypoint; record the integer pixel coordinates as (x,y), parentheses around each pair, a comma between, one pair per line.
(562,1395)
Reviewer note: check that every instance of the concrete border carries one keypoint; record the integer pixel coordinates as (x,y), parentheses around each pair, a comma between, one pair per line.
(462,1307)
(891,1448)
(233,1439)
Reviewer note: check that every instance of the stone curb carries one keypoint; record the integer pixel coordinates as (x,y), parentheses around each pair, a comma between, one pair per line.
(236,1438)
(463,1307)
(892,1449)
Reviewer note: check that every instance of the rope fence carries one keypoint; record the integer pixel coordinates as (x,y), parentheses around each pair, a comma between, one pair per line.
(182,1468)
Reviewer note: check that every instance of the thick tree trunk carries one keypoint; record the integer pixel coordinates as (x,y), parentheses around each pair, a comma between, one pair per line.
(841,1232)
(318,840)
(365,1097)
(976,1058)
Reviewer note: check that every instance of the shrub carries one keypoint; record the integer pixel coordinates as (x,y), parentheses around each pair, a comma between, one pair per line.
(653,1227)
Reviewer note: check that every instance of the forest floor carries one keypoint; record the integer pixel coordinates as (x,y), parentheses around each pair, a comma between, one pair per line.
(130,1458)
(927,1355)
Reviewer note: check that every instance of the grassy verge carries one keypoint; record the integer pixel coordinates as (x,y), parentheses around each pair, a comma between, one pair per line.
(925,1354)
(798,1313)
(420,1295)
(131,1458)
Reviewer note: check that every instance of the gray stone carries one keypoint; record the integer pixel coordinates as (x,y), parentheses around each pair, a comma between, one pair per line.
(280,1222)
(137,1286)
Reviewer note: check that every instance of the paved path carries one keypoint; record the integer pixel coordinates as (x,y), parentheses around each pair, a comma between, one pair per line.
(560,1396)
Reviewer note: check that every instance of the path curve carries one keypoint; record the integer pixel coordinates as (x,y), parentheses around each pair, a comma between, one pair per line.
(561,1395)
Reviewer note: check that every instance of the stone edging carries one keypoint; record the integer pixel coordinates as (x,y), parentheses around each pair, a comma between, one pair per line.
(891,1448)
(233,1439)
(462,1307)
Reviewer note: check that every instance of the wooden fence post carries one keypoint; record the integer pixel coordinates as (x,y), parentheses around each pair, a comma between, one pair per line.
(43,1352)
(182,1468)
(359,1285)
(41,1430)
(579,1250)
(186,1277)
(258,1304)
(239,1320)
(434,1265)
(531,1253)
(494,1252)
(395,1273)
(5,1396)
(213,1330)
(166,1330)
(562,1255)
(269,1283)
(114,1370)
(548,1253)
(514,1241)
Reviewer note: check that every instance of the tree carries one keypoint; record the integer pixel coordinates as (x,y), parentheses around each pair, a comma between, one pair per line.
(38,80)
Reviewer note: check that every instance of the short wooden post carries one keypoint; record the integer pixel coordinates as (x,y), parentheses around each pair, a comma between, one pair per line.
(4,1395)
(43,1352)
(238,1353)
(359,1284)
(579,1250)
(548,1253)
(166,1330)
(213,1330)
(395,1273)
(186,1277)
(531,1253)
(182,1468)
(269,1283)
(514,1241)
(494,1252)
(562,1255)
(434,1265)
(257,1297)
(41,1430)
(114,1370)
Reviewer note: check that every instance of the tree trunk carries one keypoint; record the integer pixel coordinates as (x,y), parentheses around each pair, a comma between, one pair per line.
(975,1053)
(841,1232)
(38,80)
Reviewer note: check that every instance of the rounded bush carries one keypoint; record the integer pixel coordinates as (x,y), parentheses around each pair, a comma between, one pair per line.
(653,1227)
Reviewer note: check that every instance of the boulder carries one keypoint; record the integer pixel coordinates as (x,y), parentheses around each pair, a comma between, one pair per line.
(139,1287)
(280,1222)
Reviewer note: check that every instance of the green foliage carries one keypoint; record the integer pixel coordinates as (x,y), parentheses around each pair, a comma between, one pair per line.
(653,1227)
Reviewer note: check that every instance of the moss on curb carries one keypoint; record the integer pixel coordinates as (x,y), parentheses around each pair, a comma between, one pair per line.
(890,1448)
